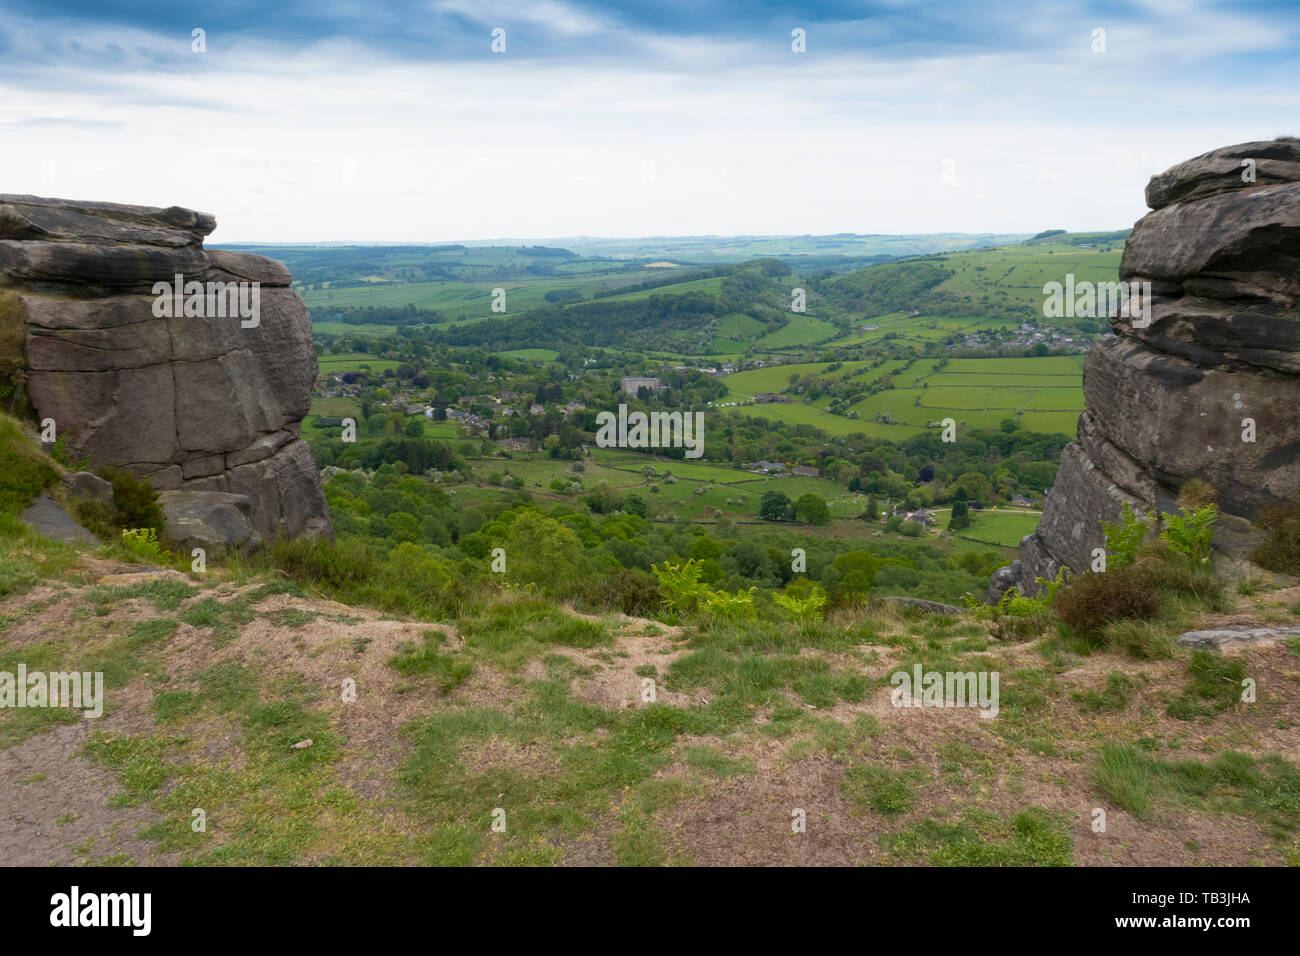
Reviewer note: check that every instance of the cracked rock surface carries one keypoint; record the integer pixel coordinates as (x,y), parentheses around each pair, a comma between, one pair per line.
(196,405)
(1218,364)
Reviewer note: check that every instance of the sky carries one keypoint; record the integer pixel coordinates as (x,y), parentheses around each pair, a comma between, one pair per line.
(337,120)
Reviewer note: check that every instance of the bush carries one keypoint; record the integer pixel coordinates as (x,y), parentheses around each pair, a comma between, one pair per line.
(1281,551)
(343,566)
(1091,601)
(136,500)
(409,567)
(630,591)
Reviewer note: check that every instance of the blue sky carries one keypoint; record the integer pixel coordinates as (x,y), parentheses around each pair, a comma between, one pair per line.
(381,121)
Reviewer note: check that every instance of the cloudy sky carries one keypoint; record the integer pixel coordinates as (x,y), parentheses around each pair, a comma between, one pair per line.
(351,120)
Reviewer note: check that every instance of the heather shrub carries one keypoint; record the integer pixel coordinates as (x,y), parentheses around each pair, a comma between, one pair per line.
(1092,600)
(1281,550)
(136,500)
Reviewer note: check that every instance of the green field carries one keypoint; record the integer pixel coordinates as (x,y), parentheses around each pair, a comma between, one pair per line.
(697,489)
(994,526)
(455,301)
(998,277)
(531,355)
(1045,394)
(351,362)
(802,329)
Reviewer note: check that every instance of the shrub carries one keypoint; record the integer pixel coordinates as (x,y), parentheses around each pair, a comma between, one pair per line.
(136,500)
(632,591)
(1281,550)
(409,567)
(342,566)
(1137,592)
(1091,601)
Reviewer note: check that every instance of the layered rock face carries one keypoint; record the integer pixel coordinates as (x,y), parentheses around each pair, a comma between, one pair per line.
(208,409)
(1217,365)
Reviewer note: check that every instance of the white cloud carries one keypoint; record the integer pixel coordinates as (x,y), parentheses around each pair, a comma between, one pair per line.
(264,138)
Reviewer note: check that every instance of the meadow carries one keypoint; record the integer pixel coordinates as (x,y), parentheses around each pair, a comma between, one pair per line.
(1045,394)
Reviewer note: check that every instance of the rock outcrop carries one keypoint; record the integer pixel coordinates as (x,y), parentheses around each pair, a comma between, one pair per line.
(1228,639)
(1210,387)
(208,406)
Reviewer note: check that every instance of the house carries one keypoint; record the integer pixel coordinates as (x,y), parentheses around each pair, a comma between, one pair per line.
(763,398)
(1020,501)
(920,517)
(806,471)
(768,466)
(634,385)
(514,444)
(535,409)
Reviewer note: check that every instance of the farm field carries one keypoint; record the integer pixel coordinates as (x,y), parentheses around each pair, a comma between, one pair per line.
(456,301)
(711,285)
(803,329)
(1020,271)
(1001,527)
(775,378)
(531,355)
(697,489)
(977,393)
(735,332)
(348,328)
(351,362)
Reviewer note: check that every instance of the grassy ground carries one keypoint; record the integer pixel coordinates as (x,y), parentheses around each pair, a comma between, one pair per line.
(521,734)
